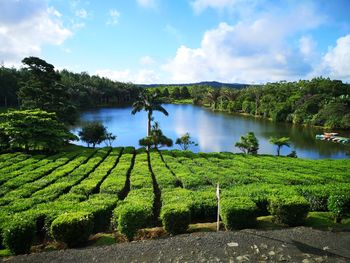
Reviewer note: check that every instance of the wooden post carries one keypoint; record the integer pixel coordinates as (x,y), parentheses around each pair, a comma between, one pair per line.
(218,216)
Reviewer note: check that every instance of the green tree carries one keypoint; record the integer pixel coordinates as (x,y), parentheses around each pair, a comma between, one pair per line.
(149,103)
(248,144)
(34,130)
(280,142)
(156,138)
(166,93)
(213,97)
(185,141)
(185,94)
(93,133)
(43,90)
(176,94)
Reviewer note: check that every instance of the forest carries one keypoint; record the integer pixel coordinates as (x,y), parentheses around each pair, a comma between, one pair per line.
(319,101)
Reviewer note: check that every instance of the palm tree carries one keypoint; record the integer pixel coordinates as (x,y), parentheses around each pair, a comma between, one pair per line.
(149,103)
(279,142)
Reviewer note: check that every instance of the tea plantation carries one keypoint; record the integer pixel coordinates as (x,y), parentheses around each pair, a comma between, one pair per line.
(69,196)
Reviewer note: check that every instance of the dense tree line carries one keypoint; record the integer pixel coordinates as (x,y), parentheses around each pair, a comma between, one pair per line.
(38,85)
(320,101)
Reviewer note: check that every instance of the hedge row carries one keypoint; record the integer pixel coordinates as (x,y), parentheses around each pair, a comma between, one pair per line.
(115,182)
(188,178)
(61,186)
(27,190)
(9,159)
(140,176)
(135,212)
(91,184)
(46,166)
(66,221)
(164,177)
(20,168)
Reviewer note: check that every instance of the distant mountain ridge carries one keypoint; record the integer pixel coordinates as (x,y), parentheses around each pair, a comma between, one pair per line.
(213,84)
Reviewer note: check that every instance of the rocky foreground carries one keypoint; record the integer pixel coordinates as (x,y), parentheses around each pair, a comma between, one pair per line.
(300,244)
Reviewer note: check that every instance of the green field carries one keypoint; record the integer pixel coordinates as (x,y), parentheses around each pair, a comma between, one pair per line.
(45,197)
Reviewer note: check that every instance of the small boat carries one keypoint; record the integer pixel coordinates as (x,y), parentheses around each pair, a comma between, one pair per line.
(333,137)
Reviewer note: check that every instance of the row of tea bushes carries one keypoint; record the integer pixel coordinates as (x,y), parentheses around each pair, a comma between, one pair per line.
(116,182)
(44,167)
(92,183)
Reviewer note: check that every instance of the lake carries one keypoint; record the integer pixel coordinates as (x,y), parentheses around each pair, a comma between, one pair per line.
(213,131)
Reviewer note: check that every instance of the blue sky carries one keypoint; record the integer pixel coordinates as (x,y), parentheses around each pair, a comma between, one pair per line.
(177,41)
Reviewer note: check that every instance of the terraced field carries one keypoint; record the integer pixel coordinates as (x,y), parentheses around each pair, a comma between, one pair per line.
(45,197)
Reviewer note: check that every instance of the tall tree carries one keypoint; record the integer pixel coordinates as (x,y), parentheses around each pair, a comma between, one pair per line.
(149,103)
(248,144)
(42,90)
(280,142)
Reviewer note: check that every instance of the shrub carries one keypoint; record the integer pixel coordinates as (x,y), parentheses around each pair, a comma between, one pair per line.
(131,217)
(340,206)
(239,212)
(73,229)
(290,210)
(317,197)
(19,235)
(203,206)
(175,218)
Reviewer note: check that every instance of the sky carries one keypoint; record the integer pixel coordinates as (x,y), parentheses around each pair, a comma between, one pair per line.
(181,41)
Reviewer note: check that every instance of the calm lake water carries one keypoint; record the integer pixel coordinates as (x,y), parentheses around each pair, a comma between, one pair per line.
(213,131)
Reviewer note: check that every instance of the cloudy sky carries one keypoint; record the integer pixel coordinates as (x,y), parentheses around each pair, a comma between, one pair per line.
(176,41)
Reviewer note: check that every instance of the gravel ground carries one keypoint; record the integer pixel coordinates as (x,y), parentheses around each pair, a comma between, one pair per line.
(298,244)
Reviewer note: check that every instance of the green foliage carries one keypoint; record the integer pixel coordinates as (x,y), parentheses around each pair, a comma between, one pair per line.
(34,130)
(339,204)
(248,144)
(134,213)
(19,235)
(289,210)
(156,138)
(175,218)
(280,142)
(94,133)
(73,229)
(42,90)
(238,213)
(148,102)
(185,141)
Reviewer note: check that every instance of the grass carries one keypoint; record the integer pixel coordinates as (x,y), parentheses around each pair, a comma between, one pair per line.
(5,253)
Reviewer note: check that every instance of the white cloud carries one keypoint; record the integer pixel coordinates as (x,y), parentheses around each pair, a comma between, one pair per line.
(146,61)
(82,13)
(306,45)
(143,76)
(230,5)
(336,63)
(117,75)
(147,3)
(146,76)
(114,16)
(25,26)
(249,51)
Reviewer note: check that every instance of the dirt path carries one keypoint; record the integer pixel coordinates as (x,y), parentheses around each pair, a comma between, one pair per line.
(298,244)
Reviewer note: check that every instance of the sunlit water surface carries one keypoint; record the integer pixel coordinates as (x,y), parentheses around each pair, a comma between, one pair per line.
(213,131)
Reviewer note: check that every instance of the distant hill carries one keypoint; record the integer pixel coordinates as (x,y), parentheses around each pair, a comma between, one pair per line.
(213,84)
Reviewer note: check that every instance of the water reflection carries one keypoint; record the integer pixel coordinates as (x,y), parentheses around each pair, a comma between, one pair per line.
(213,131)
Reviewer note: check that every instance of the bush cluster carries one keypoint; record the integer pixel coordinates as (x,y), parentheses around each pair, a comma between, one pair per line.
(238,213)
(289,210)
(73,229)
